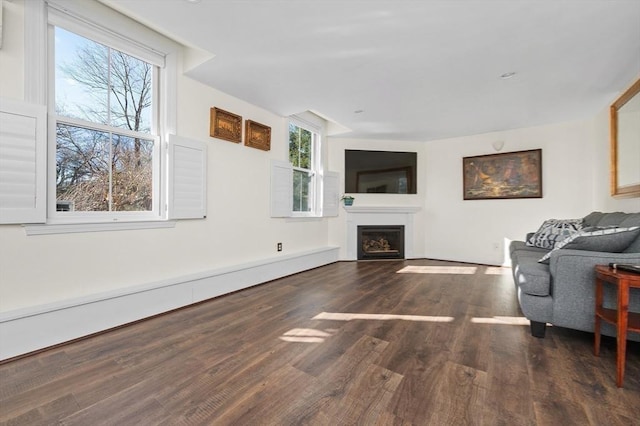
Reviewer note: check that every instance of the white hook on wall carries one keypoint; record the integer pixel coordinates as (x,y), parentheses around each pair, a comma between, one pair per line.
(497,145)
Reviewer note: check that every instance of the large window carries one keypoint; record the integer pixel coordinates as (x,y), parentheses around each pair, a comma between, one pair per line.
(303,156)
(105,142)
(110,157)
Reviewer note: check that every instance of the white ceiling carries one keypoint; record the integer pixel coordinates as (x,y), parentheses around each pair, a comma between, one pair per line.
(418,70)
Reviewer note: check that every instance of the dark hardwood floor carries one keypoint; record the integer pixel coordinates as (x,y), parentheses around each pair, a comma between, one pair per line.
(353,343)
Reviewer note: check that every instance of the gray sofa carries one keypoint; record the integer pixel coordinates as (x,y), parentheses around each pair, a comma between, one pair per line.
(562,291)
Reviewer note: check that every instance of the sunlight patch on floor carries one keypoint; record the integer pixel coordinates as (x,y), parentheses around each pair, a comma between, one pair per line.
(454,270)
(305,335)
(501,320)
(379,317)
(497,270)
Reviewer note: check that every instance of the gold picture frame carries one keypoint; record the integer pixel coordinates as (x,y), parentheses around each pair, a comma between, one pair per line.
(625,143)
(501,176)
(225,125)
(257,135)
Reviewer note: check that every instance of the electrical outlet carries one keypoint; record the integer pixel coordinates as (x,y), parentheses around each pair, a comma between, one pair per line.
(279,246)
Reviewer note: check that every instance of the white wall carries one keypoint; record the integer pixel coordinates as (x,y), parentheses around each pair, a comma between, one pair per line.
(36,270)
(12,51)
(475,230)
(575,180)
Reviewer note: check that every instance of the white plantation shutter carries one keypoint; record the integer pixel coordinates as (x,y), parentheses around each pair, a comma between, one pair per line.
(281,189)
(330,194)
(23,167)
(187,179)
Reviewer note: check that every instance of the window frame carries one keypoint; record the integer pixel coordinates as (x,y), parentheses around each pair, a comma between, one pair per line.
(132,38)
(175,203)
(99,35)
(315,186)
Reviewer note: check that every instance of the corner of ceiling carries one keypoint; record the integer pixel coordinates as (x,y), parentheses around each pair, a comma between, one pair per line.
(193,57)
(333,127)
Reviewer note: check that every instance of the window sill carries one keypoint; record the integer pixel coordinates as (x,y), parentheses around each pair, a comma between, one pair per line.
(70,228)
(303,218)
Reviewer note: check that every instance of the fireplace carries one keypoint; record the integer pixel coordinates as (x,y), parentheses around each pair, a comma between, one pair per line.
(380,242)
(389,216)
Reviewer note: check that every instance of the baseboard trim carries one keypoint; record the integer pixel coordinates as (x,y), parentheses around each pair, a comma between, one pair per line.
(32,329)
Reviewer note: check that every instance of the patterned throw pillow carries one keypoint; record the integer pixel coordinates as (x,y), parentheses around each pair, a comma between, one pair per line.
(610,240)
(552,231)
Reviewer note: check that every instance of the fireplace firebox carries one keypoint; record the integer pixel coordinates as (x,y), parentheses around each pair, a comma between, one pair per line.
(380,242)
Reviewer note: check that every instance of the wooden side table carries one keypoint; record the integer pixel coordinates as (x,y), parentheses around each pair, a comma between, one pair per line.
(621,317)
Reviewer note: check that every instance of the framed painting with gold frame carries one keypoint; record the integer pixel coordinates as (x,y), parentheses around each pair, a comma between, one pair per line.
(225,125)
(506,175)
(257,135)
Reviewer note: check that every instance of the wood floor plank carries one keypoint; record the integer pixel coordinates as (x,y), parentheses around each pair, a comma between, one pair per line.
(123,408)
(30,373)
(255,404)
(499,416)
(60,385)
(414,399)
(554,412)
(416,342)
(508,374)
(460,394)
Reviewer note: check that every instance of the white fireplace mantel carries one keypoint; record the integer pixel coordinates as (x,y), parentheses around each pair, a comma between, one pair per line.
(380,215)
(382,209)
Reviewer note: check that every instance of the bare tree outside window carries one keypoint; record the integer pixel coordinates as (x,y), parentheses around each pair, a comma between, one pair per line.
(99,93)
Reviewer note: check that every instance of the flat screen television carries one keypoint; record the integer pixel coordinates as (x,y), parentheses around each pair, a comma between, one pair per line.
(386,172)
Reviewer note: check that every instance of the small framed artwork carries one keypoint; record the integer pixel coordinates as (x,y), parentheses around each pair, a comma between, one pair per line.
(225,125)
(257,135)
(500,176)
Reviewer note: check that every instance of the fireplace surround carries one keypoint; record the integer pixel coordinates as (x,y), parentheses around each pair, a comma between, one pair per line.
(380,215)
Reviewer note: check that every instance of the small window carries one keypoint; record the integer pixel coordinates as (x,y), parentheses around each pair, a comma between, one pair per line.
(303,156)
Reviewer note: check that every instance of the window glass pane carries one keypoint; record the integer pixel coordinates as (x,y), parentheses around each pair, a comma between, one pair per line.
(98,171)
(305,149)
(294,145)
(132,174)
(130,92)
(82,169)
(300,147)
(301,186)
(81,77)
(101,85)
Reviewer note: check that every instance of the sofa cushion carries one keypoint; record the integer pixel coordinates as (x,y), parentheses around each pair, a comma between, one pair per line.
(592,219)
(553,231)
(533,278)
(612,219)
(610,240)
(631,219)
(634,247)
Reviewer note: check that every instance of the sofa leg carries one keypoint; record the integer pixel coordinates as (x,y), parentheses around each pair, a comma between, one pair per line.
(538,329)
